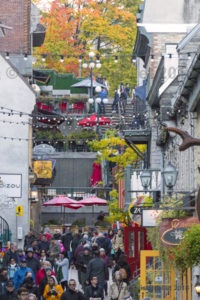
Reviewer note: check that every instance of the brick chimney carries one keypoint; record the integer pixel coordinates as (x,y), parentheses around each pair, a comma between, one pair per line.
(16,14)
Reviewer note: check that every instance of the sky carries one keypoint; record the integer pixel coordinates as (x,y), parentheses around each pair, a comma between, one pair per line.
(44,4)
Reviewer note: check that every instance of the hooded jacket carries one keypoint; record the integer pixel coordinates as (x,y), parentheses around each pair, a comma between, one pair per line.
(53,293)
(20,275)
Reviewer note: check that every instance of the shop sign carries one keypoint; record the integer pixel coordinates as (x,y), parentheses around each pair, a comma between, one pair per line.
(171,230)
(43,169)
(10,185)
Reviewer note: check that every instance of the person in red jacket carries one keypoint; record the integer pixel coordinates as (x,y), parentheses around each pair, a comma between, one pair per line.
(41,273)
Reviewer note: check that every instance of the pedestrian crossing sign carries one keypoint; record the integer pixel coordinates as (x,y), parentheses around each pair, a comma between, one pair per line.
(19,210)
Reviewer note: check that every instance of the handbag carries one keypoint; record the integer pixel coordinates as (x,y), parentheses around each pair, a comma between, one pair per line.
(123,272)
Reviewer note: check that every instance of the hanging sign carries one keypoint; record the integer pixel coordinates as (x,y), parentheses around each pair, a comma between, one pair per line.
(43,169)
(171,230)
(10,185)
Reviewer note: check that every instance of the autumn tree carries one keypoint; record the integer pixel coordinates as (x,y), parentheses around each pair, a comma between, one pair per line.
(74,27)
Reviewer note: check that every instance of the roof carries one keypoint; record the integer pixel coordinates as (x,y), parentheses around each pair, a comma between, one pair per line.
(189,84)
(188,37)
(19,75)
(63,81)
(87,83)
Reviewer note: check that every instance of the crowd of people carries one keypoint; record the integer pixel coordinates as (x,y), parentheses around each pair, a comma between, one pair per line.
(120,98)
(41,269)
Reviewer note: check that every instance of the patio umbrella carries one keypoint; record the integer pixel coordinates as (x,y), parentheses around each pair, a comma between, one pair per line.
(63,201)
(86,83)
(91,201)
(92,121)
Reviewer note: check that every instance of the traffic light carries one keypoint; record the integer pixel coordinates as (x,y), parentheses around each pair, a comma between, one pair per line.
(19,210)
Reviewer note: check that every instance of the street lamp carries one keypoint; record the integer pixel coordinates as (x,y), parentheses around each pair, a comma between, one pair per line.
(92,64)
(34,194)
(145,178)
(197,286)
(170,175)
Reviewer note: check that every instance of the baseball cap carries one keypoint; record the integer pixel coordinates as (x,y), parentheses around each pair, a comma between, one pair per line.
(10,283)
(29,250)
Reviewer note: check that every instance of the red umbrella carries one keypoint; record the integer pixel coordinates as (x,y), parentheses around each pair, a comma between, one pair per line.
(63,201)
(92,121)
(91,201)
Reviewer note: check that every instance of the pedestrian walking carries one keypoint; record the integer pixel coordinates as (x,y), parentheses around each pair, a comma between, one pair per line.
(118,244)
(54,249)
(52,291)
(3,280)
(29,238)
(115,105)
(104,242)
(82,263)
(118,288)
(44,281)
(43,244)
(97,267)
(66,240)
(127,90)
(12,268)
(103,95)
(11,253)
(63,269)
(21,273)
(124,268)
(10,293)
(31,261)
(94,291)
(72,293)
(30,285)
(108,264)
(123,100)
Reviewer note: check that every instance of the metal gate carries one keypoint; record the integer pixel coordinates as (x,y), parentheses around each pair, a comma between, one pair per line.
(5,234)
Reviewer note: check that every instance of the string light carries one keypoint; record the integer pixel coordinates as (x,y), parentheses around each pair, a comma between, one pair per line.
(116,59)
(44,57)
(25,56)
(61,58)
(80,57)
(7,55)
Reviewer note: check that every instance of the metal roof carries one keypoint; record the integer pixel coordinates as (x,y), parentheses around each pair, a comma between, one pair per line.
(188,37)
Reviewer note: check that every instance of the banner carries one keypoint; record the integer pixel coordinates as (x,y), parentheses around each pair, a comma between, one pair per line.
(121,192)
(171,230)
(43,169)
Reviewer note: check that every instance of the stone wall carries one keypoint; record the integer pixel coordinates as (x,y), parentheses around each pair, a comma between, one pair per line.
(16,14)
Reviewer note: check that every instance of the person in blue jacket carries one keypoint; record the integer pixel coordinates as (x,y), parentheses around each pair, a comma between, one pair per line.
(103,95)
(21,273)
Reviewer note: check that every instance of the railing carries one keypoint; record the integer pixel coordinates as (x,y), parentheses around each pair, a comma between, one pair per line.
(5,234)
(77,193)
